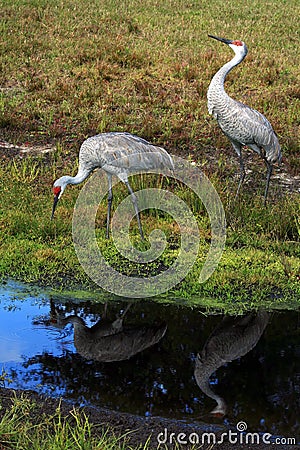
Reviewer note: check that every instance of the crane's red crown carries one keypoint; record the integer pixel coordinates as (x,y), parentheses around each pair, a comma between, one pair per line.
(56,190)
(238,43)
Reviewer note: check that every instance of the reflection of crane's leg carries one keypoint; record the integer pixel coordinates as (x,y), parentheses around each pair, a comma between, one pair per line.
(135,205)
(269,173)
(126,309)
(237,147)
(105,311)
(118,322)
(109,203)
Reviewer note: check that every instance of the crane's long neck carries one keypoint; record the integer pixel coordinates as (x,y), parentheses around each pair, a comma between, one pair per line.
(82,333)
(77,322)
(202,374)
(216,91)
(81,175)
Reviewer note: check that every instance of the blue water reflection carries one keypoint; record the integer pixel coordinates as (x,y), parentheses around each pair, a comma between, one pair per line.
(37,352)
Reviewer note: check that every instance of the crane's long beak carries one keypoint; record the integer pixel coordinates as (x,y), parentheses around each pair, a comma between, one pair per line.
(54,205)
(226,41)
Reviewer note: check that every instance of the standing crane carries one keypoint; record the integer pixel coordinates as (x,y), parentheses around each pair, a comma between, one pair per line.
(240,123)
(119,154)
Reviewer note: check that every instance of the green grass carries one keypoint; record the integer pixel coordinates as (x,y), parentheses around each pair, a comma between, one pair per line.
(91,66)
(260,264)
(80,68)
(24,426)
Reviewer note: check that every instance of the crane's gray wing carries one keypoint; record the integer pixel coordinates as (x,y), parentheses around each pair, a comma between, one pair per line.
(123,345)
(256,126)
(123,151)
(262,135)
(247,126)
(132,152)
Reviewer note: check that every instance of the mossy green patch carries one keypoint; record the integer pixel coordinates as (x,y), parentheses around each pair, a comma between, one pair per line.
(144,67)
(260,265)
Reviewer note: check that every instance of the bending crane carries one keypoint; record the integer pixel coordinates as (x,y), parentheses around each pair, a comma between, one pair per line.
(108,341)
(240,123)
(119,154)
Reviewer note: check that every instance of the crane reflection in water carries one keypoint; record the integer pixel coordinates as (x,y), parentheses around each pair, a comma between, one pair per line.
(109,341)
(232,338)
(160,380)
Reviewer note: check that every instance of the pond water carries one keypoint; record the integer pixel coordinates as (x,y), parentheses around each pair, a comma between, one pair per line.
(141,357)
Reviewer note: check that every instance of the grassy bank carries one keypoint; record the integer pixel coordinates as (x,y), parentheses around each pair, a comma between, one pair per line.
(261,261)
(27,424)
(79,68)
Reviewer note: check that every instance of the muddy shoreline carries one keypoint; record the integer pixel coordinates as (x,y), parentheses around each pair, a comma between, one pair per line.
(162,432)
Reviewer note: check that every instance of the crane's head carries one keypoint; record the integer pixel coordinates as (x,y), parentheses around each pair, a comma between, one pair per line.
(239,47)
(58,189)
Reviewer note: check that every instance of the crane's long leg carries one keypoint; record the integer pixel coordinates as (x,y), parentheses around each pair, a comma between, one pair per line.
(135,205)
(242,175)
(109,203)
(238,148)
(269,173)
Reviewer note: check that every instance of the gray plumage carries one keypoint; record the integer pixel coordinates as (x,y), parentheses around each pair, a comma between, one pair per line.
(120,154)
(111,341)
(233,338)
(240,123)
